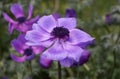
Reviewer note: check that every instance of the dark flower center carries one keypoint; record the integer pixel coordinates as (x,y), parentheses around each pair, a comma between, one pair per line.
(21,19)
(28,51)
(60,32)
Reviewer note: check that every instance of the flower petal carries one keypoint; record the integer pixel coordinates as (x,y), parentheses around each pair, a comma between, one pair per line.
(18,46)
(46,43)
(68,23)
(21,38)
(79,37)
(38,28)
(7,18)
(11,27)
(30,12)
(56,15)
(23,27)
(36,38)
(84,57)
(37,49)
(55,52)
(47,23)
(18,59)
(67,62)
(74,52)
(17,10)
(45,62)
(30,57)
(33,20)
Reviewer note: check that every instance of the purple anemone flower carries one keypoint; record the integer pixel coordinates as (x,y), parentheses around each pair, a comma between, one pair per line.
(108,18)
(60,36)
(21,23)
(70,13)
(27,52)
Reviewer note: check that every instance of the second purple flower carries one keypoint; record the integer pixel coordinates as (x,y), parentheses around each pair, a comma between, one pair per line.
(22,23)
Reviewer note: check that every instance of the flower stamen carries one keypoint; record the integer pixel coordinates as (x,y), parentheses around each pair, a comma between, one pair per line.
(28,51)
(21,19)
(60,32)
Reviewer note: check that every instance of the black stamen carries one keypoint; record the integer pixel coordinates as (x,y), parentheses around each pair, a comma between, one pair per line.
(60,32)
(21,19)
(28,51)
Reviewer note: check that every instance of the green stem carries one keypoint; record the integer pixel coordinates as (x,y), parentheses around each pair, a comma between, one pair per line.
(59,71)
(70,72)
(30,66)
(114,64)
(114,54)
(78,71)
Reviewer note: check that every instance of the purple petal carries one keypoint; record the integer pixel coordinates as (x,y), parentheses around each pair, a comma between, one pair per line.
(37,49)
(35,38)
(34,20)
(45,62)
(18,59)
(56,15)
(23,28)
(46,43)
(79,37)
(84,57)
(38,28)
(30,12)
(74,52)
(17,10)
(47,23)
(69,23)
(55,52)
(21,38)
(7,18)
(67,62)
(30,57)
(35,26)
(18,46)
(11,27)
(70,13)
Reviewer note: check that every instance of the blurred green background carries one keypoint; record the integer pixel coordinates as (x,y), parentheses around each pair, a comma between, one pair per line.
(104,62)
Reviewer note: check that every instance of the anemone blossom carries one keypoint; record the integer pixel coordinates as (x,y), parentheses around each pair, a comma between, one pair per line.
(60,36)
(27,52)
(21,23)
